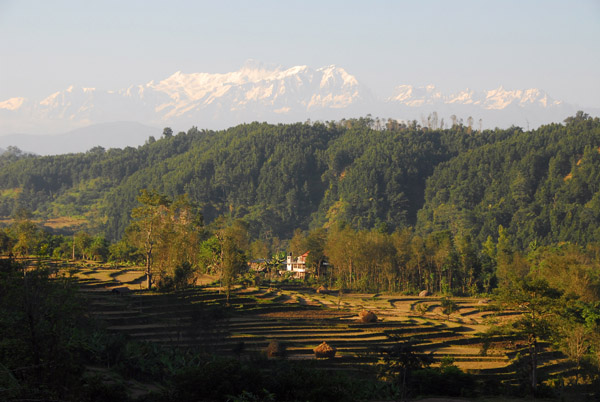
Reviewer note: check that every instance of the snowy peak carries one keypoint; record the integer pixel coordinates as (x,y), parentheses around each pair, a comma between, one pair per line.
(12,103)
(257,85)
(255,91)
(333,76)
(495,99)
(416,96)
(198,85)
(500,98)
(266,92)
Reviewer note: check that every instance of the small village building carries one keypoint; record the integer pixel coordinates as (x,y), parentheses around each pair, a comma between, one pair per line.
(297,266)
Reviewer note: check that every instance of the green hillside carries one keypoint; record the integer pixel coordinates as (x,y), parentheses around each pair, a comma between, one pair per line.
(277,177)
(540,185)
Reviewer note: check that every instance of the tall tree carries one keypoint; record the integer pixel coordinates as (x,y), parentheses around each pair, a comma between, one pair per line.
(314,243)
(233,245)
(167,132)
(146,225)
(539,305)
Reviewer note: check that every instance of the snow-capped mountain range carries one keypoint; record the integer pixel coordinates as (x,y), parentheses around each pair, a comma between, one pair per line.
(495,99)
(274,94)
(201,99)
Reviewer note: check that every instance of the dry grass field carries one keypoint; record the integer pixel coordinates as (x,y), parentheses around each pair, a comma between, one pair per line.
(300,318)
(64,222)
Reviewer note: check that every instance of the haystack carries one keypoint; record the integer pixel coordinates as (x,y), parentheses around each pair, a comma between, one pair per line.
(324,351)
(424,293)
(321,289)
(367,316)
(275,349)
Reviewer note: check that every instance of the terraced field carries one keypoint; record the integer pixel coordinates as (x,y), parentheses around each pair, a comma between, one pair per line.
(301,319)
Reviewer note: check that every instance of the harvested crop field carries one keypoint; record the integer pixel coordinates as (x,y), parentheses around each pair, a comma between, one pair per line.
(300,319)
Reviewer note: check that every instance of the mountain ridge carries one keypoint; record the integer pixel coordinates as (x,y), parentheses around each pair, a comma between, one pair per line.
(258,92)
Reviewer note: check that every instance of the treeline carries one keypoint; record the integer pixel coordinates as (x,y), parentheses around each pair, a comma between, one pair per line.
(406,262)
(25,238)
(168,238)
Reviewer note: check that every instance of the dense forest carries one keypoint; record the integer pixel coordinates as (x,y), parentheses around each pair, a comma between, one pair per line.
(540,185)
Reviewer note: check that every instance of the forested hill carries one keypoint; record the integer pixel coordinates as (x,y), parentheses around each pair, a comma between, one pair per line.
(542,186)
(282,177)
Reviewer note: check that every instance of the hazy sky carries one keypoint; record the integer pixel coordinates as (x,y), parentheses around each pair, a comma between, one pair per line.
(553,45)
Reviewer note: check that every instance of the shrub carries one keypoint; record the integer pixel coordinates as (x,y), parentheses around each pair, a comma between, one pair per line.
(448,381)
(183,276)
(275,349)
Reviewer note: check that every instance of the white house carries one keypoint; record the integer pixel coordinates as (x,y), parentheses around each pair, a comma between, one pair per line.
(298,267)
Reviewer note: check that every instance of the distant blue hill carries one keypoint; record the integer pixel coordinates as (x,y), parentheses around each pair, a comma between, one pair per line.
(107,135)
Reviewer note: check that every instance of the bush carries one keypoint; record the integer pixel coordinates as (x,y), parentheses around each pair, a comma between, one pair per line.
(447,381)
(43,330)
(449,306)
(165,283)
(276,349)
(215,380)
(96,390)
(183,276)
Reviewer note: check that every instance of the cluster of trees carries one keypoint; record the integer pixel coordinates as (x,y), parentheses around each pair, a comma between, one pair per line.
(556,290)
(166,233)
(43,327)
(405,261)
(170,237)
(25,238)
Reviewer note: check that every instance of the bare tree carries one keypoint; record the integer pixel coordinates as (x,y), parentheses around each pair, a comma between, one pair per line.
(434,120)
